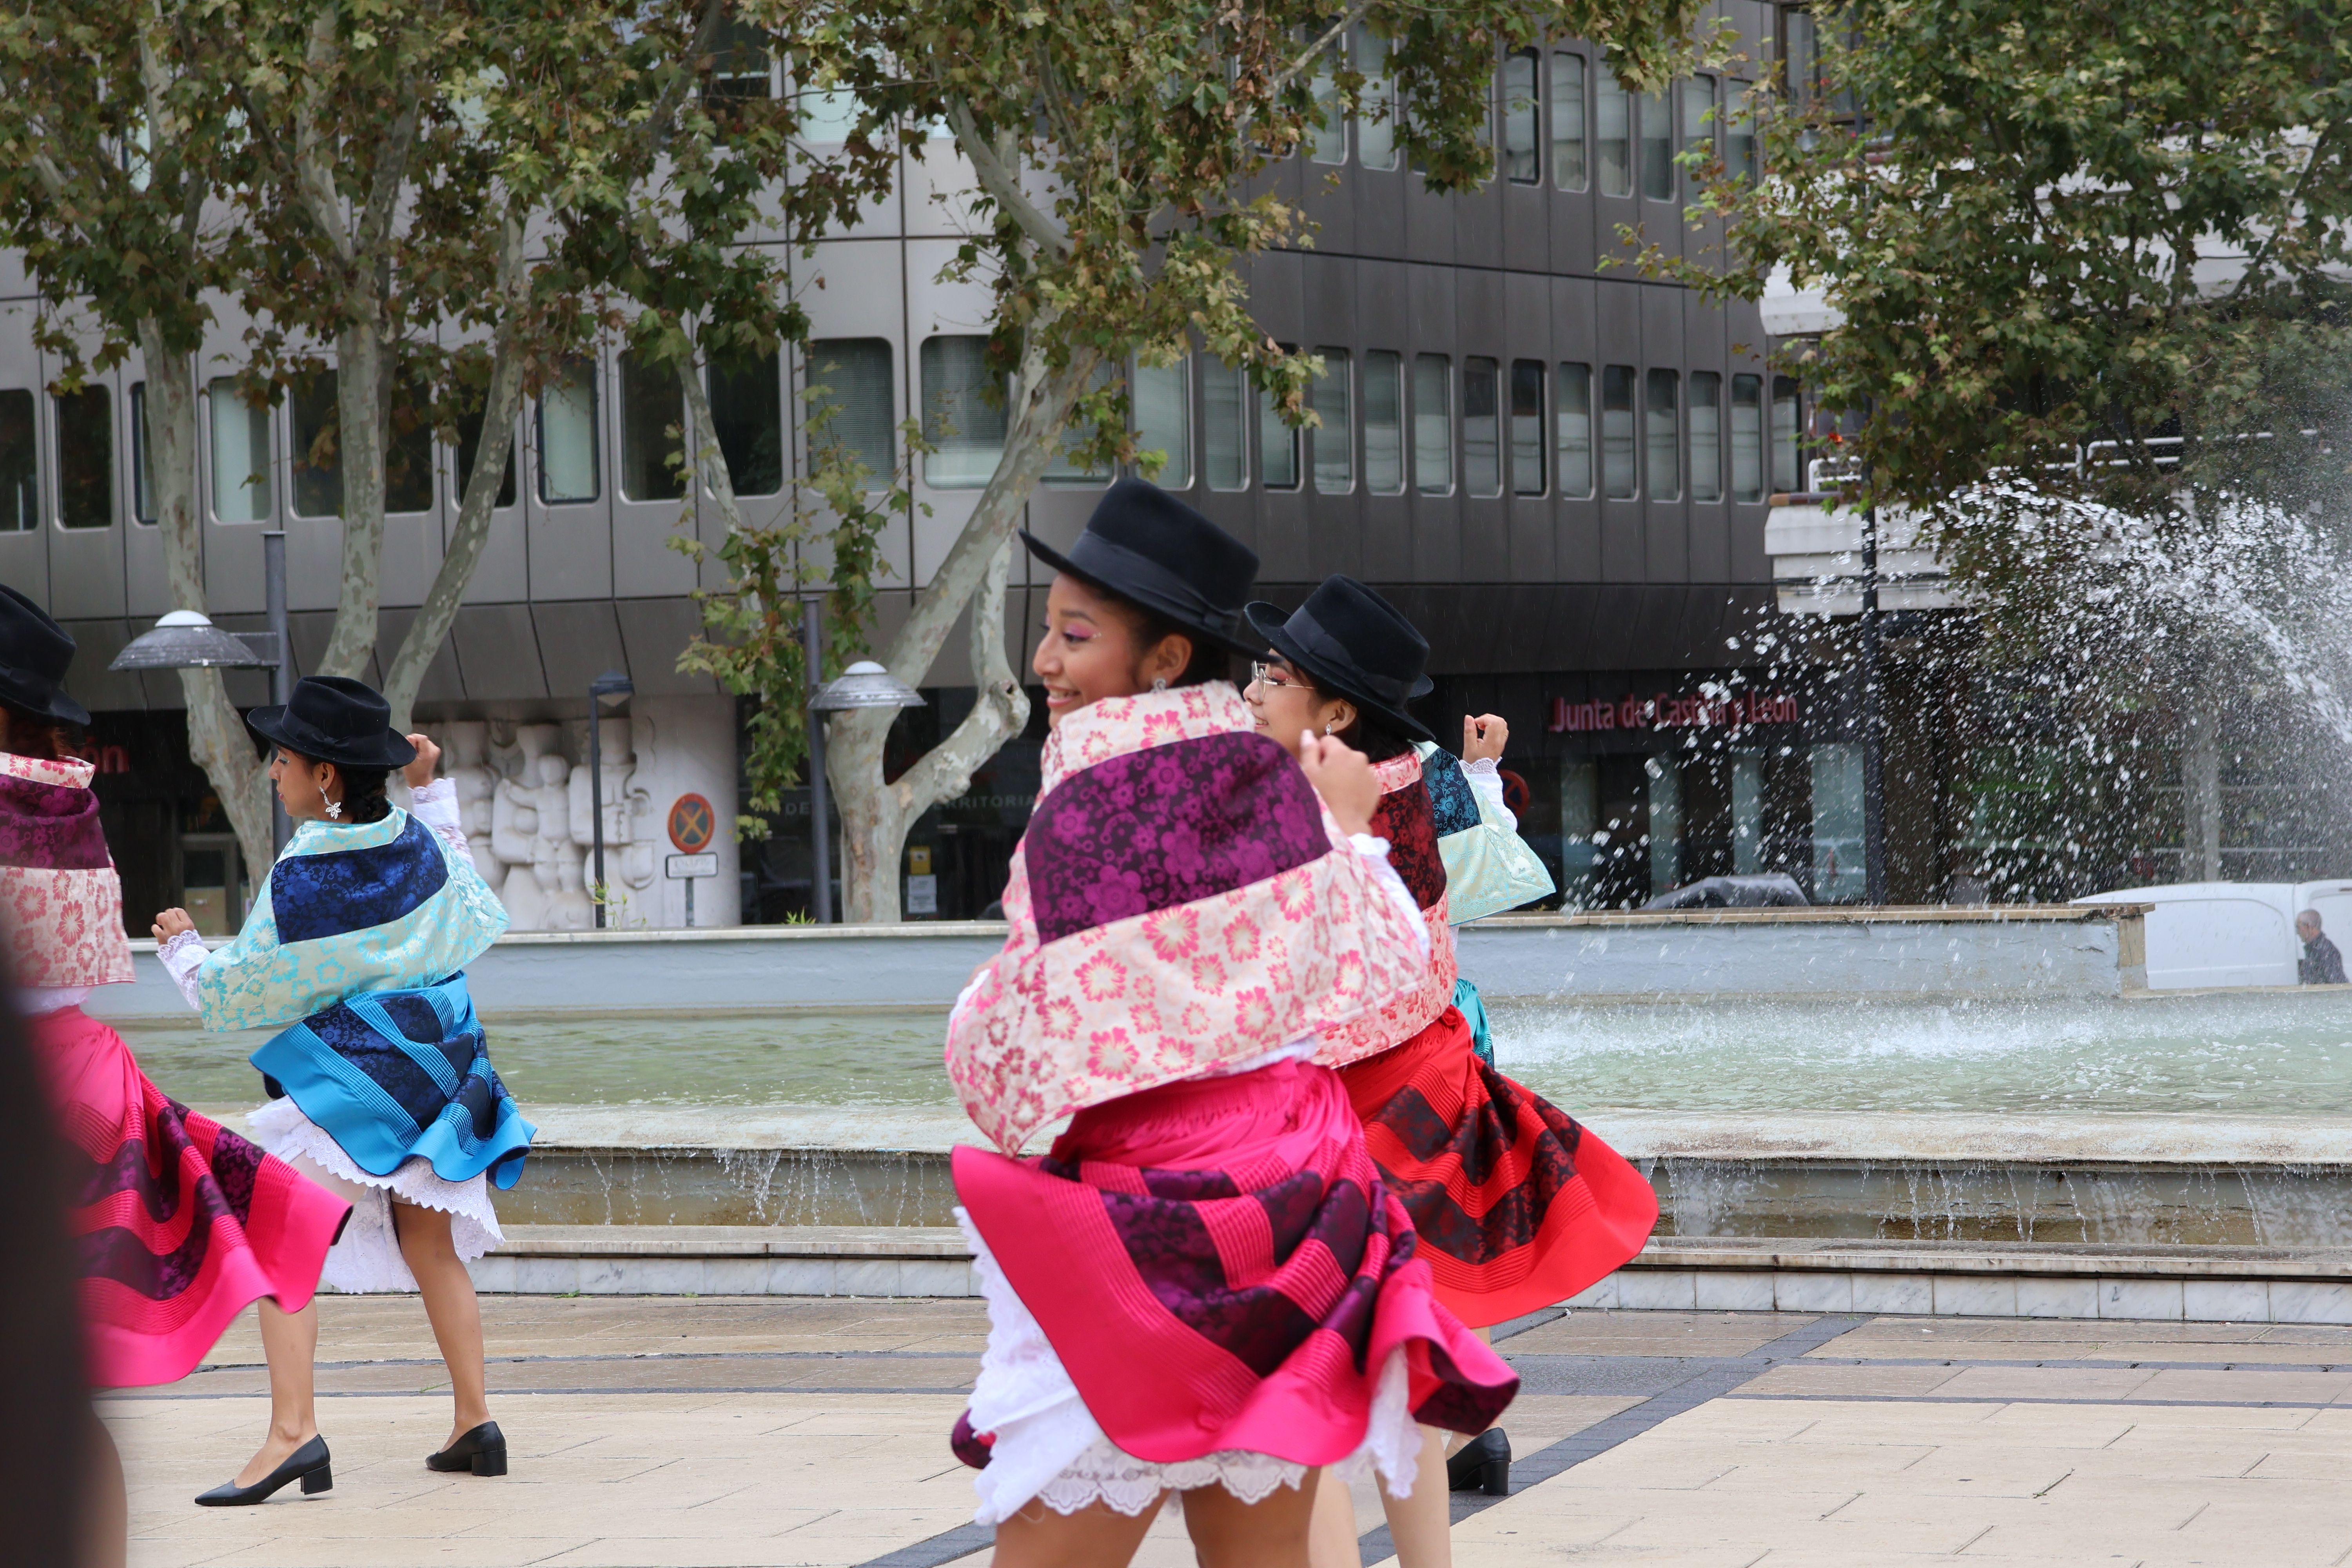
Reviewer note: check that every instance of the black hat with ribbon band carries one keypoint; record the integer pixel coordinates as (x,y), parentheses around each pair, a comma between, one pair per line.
(335,719)
(1144,544)
(34,654)
(1353,644)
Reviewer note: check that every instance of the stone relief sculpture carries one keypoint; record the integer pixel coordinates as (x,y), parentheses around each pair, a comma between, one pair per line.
(527,815)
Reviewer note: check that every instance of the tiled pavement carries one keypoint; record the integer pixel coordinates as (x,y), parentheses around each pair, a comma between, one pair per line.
(656,1431)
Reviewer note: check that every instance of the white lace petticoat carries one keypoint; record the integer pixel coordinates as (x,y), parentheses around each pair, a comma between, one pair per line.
(366,1259)
(1047,1445)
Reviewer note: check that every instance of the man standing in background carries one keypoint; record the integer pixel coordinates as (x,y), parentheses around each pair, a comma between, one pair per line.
(2320,965)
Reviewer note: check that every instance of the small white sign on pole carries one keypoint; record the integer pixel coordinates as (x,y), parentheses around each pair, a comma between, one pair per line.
(686,869)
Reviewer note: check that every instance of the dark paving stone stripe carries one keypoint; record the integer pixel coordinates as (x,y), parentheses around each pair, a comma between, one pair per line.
(946,1547)
(1705,1379)
(2113,1403)
(1618,1376)
(262,1391)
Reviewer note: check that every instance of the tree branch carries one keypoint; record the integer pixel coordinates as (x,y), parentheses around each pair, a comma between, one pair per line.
(1003,184)
(314,179)
(1306,61)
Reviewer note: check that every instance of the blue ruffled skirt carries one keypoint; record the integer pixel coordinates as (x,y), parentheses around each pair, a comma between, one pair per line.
(394,1076)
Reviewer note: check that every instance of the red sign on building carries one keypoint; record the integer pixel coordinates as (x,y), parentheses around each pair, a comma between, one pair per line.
(1667,711)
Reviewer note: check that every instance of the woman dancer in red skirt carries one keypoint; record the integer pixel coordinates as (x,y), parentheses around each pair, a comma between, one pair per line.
(1516,1207)
(181,1222)
(1204,1287)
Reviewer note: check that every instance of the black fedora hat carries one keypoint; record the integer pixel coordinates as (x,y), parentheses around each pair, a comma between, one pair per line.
(1351,641)
(1144,544)
(34,653)
(335,719)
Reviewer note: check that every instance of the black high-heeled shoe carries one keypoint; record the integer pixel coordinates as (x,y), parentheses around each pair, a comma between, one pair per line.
(307,1464)
(482,1450)
(1482,1464)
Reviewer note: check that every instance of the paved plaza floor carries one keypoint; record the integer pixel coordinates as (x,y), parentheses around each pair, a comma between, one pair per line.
(674,1430)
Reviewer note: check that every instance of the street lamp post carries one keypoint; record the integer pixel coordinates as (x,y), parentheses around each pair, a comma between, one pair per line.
(609,689)
(188,639)
(865,684)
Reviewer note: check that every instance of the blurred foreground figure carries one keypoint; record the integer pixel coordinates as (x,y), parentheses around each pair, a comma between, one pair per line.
(180,1224)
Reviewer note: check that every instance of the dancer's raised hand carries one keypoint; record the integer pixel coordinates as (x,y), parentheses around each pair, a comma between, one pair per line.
(1343,777)
(1484,736)
(419,771)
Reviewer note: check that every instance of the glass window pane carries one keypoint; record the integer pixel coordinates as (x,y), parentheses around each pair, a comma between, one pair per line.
(86,457)
(1482,452)
(1618,473)
(1433,424)
(1064,469)
(469,441)
(1327,142)
(1613,136)
(569,462)
(1334,440)
(1163,401)
(739,66)
(1800,57)
(1662,436)
(1707,435)
(1376,105)
(1786,471)
(1840,873)
(1747,438)
(1657,147)
(1224,411)
(653,417)
(1277,448)
(142,487)
(1739,134)
(241,456)
(1575,430)
(314,403)
(20,491)
(1526,426)
(858,403)
(1383,422)
(1568,171)
(408,454)
(1522,119)
(1698,117)
(747,416)
(959,418)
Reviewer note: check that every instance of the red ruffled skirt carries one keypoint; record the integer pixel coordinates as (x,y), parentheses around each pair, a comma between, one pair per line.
(1516,1206)
(180,1222)
(1218,1267)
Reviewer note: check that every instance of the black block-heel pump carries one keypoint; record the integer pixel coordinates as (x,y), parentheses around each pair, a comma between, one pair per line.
(482,1450)
(1482,1464)
(308,1463)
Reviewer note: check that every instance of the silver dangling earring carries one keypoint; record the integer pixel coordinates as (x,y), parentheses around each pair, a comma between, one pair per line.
(334,809)
(1159,683)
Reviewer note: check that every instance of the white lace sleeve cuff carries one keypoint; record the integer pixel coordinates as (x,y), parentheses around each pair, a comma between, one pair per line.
(1487,783)
(182,956)
(1375,849)
(436,805)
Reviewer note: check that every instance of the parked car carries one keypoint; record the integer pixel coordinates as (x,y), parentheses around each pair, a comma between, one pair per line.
(2230,933)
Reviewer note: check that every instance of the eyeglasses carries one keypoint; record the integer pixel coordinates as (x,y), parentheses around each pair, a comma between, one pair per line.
(1272,676)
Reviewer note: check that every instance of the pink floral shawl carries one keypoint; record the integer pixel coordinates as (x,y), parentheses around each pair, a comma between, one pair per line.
(1179,902)
(60,901)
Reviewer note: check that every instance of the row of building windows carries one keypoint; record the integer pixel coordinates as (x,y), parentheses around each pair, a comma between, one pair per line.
(1532,427)
(1558,104)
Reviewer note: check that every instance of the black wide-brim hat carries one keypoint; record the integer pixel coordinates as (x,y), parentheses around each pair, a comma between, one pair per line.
(1143,544)
(1354,644)
(34,652)
(335,719)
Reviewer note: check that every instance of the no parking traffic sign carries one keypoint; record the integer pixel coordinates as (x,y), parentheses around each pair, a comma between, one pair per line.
(691,823)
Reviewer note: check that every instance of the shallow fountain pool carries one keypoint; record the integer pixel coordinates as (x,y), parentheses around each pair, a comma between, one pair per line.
(2285,1053)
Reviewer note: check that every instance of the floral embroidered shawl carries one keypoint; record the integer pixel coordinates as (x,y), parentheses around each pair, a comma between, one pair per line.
(1407,820)
(60,901)
(1179,902)
(350,908)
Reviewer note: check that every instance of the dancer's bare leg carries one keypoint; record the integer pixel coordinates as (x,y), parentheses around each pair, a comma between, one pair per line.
(1230,1533)
(1097,1537)
(1331,1535)
(290,1341)
(106,1504)
(450,1305)
(1422,1523)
